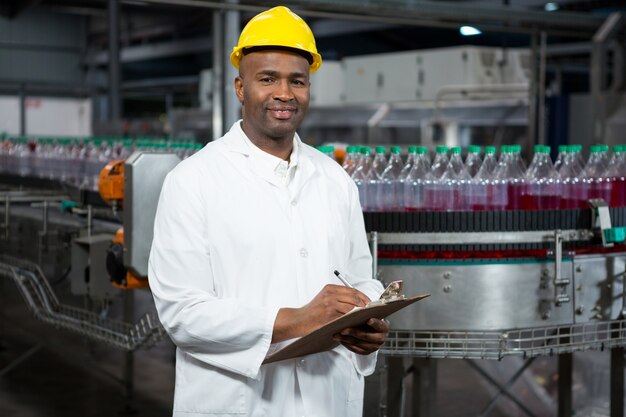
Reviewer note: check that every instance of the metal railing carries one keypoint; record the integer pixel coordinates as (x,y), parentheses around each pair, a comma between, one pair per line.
(532,342)
(45,306)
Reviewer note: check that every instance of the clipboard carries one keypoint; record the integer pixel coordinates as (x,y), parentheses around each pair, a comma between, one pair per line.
(321,339)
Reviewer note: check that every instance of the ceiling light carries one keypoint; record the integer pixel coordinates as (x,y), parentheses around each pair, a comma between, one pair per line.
(551,7)
(469,31)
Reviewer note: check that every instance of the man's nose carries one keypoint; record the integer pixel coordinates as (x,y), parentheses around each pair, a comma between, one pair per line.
(283,91)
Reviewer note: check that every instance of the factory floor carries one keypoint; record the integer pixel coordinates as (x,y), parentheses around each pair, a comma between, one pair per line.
(45,372)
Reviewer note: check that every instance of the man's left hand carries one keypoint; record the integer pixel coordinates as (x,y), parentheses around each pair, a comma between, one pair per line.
(364,339)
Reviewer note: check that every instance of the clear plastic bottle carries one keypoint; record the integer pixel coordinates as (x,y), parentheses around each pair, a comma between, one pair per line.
(390,187)
(481,188)
(508,180)
(472,160)
(410,159)
(440,163)
(452,192)
(543,191)
(352,159)
(517,156)
(380,160)
(561,155)
(574,189)
(361,174)
(416,182)
(596,182)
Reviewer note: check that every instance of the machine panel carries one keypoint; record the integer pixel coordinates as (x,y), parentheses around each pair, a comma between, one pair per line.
(473,296)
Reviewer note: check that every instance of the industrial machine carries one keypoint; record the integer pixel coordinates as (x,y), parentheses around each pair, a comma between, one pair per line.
(506,283)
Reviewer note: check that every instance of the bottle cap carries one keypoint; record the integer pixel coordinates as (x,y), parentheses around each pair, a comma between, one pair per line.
(381,149)
(490,149)
(421,150)
(441,149)
(412,149)
(562,148)
(595,148)
(366,150)
(395,149)
(456,150)
(473,149)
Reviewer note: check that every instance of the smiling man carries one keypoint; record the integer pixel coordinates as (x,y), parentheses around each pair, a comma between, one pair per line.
(247,235)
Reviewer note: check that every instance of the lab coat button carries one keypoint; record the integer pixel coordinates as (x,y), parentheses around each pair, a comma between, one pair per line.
(301,362)
(304,253)
(294,202)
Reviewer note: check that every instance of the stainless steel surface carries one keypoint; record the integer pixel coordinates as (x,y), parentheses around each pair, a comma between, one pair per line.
(43,303)
(143,178)
(482,237)
(477,296)
(88,275)
(599,287)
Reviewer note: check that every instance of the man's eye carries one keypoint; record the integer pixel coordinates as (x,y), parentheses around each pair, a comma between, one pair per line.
(267,80)
(298,82)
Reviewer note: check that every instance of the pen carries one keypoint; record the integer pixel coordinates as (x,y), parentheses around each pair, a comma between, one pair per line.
(343,279)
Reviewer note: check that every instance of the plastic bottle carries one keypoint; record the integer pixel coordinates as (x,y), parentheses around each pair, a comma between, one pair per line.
(328,151)
(361,173)
(481,188)
(508,180)
(452,194)
(472,160)
(561,155)
(350,163)
(379,162)
(390,187)
(574,190)
(440,163)
(409,162)
(517,156)
(596,182)
(543,191)
(416,182)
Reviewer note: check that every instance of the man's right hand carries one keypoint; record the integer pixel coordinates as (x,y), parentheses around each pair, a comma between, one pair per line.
(331,302)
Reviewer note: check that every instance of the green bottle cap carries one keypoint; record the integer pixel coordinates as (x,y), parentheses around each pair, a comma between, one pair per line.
(412,149)
(441,149)
(490,149)
(381,149)
(396,149)
(456,150)
(421,150)
(473,149)
(366,150)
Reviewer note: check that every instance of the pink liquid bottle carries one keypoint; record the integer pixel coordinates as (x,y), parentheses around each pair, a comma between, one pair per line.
(472,160)
(482,194)
(435,189)
(574,188)
(416,182)
(595,179)
(543,190)
(390,187)
(509,184)
(361,174)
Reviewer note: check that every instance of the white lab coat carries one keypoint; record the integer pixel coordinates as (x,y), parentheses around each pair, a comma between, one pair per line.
(232,245)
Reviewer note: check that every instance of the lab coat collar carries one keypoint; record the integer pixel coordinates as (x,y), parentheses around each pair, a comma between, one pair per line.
(236,141)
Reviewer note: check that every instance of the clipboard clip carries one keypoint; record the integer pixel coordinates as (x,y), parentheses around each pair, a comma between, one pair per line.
(392,293)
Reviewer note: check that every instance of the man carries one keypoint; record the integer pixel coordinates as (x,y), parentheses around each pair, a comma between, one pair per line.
(247,234)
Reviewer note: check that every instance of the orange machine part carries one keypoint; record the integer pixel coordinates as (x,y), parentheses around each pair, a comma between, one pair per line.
(111,182)
(133,281)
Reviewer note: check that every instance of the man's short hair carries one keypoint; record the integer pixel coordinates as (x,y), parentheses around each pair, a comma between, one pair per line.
(300,52)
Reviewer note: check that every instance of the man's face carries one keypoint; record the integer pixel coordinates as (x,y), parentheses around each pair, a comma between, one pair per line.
(273,88)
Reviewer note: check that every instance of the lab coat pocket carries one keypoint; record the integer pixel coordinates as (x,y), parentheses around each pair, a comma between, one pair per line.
(202,388)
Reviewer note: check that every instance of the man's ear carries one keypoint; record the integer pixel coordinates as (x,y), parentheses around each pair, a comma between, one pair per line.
(239,88)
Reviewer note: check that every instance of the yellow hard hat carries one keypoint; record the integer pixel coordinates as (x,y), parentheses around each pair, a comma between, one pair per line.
(280,27)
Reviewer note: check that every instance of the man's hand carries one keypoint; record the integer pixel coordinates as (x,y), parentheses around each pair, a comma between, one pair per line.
(364,339)
(331,302)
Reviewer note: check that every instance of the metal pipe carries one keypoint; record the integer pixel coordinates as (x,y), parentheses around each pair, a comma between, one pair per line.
(532,92)
(217,126)
(115,104)
(232,27)
(542,91)
(22,110)
(430,14)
